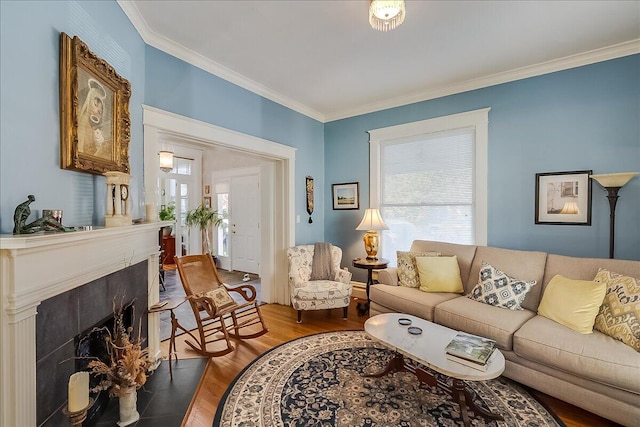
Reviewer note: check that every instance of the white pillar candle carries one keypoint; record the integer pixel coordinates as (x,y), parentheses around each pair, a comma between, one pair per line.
(78,391)
(152,212)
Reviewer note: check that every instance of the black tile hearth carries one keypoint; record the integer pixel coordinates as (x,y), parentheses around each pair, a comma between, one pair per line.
(163,402)
(62,318)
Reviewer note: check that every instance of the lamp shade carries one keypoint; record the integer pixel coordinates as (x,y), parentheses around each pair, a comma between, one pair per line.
(166,161)
(372,221)
(614,179)
(570,208)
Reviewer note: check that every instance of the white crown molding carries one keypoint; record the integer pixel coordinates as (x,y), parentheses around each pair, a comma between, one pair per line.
(175,49)
(166,45)
(599,55)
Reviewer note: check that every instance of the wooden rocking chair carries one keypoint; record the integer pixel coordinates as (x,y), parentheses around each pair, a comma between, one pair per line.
(217,314)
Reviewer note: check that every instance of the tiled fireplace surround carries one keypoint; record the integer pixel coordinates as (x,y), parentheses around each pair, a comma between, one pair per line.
(71,277)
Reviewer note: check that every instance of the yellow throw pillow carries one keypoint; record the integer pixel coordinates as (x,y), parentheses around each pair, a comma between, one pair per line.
(572,303)
(439,274)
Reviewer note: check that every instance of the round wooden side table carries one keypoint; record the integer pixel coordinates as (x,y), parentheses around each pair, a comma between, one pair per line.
(369,265)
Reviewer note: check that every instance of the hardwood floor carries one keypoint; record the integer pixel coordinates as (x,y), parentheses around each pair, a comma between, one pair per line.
(282,325)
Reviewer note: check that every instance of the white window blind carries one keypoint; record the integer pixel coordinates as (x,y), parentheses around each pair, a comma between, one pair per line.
(429,179)
(426,189)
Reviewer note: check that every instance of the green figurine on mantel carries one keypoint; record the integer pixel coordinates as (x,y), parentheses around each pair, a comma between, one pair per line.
(46,223)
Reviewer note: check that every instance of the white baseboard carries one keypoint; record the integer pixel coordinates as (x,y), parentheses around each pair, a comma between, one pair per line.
(359,290)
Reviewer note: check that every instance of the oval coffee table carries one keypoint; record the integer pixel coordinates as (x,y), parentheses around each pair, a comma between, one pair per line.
(428,349)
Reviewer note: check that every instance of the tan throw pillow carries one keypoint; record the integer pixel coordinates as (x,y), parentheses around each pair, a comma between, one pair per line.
(619,315)
(572,303)
(407,271)
(221,298)
(439,274)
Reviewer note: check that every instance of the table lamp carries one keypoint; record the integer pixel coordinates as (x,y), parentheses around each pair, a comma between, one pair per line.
(371,223)
(613,182)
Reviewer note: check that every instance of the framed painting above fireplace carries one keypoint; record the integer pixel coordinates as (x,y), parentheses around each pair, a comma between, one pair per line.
(94,111)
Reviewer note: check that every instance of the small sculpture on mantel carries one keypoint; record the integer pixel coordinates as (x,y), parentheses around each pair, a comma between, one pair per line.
(46,223)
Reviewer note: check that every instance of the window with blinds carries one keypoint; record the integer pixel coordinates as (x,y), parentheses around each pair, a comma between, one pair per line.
(429,181)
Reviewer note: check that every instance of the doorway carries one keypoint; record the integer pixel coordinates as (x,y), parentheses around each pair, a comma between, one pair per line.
(281,223)
(237,193)
(179,190)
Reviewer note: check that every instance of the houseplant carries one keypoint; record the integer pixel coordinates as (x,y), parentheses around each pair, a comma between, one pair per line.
(167,213)
(203,218)
(125,371)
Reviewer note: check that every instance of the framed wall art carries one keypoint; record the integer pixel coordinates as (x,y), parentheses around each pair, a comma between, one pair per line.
(207,202)
(94,111)
(346,196)
(563,198)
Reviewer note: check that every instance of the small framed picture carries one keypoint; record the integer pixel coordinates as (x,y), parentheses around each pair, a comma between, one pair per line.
(563,198)
(346,196)
(207,202)
(207,189)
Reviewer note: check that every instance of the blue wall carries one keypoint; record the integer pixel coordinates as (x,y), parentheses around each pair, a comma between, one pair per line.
(583,118)
(586,118)
(173,85)
(30,142)
(29,109)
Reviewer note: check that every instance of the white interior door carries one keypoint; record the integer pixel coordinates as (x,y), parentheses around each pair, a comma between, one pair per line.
(244,223)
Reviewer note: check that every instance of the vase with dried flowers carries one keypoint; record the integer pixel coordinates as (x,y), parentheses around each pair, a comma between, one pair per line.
(125,369)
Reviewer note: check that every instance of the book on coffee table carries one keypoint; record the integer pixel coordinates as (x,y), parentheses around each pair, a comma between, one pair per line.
(479,366)
(471,348)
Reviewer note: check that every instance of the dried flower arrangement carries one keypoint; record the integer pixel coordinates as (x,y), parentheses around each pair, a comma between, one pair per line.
(128,361)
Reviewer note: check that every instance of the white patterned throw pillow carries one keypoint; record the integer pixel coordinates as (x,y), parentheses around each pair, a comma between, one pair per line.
(499,289)
(407,269)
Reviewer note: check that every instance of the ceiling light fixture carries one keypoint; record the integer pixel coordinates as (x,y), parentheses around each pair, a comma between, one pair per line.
(385,15)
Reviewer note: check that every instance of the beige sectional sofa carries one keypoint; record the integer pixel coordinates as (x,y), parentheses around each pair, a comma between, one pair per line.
(592,371)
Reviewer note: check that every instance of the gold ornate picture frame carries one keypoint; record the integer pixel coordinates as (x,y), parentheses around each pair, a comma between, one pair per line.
(95,126)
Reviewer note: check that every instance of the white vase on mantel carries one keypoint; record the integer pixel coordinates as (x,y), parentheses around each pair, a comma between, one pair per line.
(128,402)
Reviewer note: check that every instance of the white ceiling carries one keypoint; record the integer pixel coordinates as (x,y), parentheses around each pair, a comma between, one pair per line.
(322,58)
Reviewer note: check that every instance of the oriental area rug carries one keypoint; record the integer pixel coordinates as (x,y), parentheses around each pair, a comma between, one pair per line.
(318,381)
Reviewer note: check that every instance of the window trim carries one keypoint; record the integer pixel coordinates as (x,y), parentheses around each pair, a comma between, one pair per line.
(476,119)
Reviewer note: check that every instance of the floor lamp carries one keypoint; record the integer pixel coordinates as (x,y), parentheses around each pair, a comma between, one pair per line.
(613,182)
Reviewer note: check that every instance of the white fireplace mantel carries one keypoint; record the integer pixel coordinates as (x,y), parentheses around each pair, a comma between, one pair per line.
(34,268)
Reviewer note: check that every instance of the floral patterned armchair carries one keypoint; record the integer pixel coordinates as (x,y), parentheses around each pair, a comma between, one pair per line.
(307,294)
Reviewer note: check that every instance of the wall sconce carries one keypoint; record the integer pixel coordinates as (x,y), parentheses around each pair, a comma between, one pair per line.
(613,182)
(166,161)
(371,222)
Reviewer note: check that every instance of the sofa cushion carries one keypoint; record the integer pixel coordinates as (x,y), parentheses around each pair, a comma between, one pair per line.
(586,268)
(463,314)
(595,357)
(499,289)
(572,303)
(321,290)
(409,300)
(407,269)
(525,265)
(619,315)
(439,274)
(464,253)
